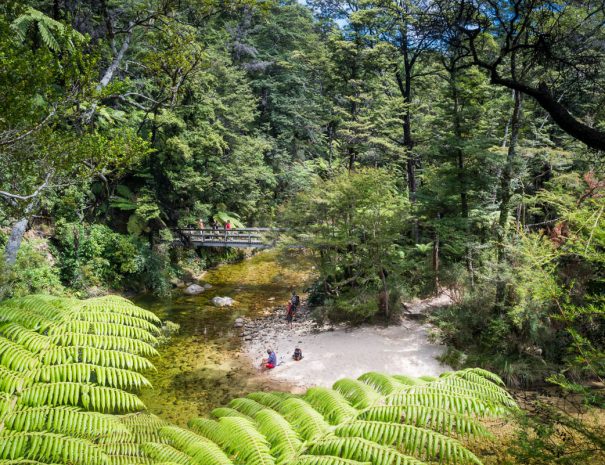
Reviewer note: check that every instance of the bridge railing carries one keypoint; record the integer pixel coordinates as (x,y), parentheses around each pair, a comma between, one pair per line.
(237,237)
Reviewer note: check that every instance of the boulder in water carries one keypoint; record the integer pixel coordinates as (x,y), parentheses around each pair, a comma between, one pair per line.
(193,289)
(222,301)
(239,322)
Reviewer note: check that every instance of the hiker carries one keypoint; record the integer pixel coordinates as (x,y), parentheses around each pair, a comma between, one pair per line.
(215,225)
(289,313)
(297,356)
(295,301)
(228,225)
(271,361)
(200,224)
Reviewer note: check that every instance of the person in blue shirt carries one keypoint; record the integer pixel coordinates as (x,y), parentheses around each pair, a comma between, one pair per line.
(272,360)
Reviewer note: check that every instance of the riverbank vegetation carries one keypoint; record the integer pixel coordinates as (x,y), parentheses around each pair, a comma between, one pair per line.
(413,147)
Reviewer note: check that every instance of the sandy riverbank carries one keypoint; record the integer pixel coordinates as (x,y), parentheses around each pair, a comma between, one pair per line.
(331,353)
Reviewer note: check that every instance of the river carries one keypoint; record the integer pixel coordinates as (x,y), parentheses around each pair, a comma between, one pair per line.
(202,368)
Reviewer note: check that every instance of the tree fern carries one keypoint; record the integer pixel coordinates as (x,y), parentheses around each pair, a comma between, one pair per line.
(70,370)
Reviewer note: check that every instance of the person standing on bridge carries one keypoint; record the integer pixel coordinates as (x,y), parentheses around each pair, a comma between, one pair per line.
(228,225)
(200,224)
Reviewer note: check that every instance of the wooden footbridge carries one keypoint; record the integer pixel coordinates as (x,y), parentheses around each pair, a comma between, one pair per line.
(243,238)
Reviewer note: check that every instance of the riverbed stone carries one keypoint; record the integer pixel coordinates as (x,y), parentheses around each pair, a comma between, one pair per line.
(193,289)
(207,286)
(222,301)
(239,322)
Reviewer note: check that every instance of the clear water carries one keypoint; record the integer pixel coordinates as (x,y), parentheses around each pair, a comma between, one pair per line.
(201,368)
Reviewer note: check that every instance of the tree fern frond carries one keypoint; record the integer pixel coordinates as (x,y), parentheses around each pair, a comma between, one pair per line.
(477,375)
(484,389)
(228,412)
(50,446)
(445,400)
(210,429)
(15,357)
(359,394)
(411,440)
(88,373)
(116,304)
(97,398)
(362,450)
(408,380)
(241,439)
(307,422)
(444,421)
(285,443)
(201,449)
(326,460)
(331,404)
(95,356)
(28,339)
(63,420)
(141,428)
(125,344)
(383,383)
(166,453)
(268,399)
(246,406)
(12,381)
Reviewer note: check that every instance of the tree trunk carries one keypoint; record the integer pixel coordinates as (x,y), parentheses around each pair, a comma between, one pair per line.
(506,194)
(385,294)
(436,260)
(14,241)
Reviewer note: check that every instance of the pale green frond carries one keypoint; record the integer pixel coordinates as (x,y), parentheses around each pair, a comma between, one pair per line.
(228,412)
(101,357)
(383,383)
(455,402)
(408,380)
(14,357)
(26,338)
(88,373)
(444,421)
(268,399)
(166,453)
(247,445)
(210,429)
(12,381)
(49,447)
(285,443)
(410,440)
(362,450)
(307,421)
(359,394)
(125,344)
(202,450)
(248,407)
(326,460)
(331,404)
(97,398)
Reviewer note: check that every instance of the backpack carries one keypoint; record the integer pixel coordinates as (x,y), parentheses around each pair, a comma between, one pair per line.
(296,301)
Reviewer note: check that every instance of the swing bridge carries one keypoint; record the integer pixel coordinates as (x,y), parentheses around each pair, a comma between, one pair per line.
(243,238)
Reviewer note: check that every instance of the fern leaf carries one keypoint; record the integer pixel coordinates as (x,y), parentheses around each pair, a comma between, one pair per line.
(326,460)
(383,383)
(331,404)
(248,407)
(202,450)
(410,440)
(166,453)
(268,399)
(228,412)
(364,451)
(285,443)
(307,422)
(360,395)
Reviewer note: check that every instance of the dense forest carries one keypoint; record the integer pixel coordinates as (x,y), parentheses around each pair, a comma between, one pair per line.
(411,146)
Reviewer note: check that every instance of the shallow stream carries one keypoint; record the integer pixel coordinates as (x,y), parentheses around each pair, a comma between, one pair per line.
(202,368)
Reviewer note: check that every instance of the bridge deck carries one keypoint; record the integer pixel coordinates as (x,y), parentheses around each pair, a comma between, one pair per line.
(257,238)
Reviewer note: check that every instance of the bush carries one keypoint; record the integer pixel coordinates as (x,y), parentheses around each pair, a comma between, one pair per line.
(33,272)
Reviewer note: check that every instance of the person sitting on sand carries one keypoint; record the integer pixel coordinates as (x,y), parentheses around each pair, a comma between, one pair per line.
(270,362)
(297,356)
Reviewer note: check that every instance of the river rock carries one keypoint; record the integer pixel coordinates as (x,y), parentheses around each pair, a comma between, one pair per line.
(193,289)
(222,301)
(239,322)
(207,286)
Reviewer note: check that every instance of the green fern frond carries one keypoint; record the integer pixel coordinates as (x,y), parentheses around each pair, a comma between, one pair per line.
(408,380)
(307,422)
(202,450)
(166,453)
(88,373)
(433,397)
(383,383)
(13,381)
(326,460)
(331,404)
(410,440)
(125,344)
(15,357)
(210,429)
(97,398)
(228,412)
(268,399)
(247,445)
(444,421)
(95,356)
(248,407)
(28,339)
(285,443)
(46,446)
(364,451)
(359,394)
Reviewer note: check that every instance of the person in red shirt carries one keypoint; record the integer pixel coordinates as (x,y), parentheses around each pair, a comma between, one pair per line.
(228,225)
